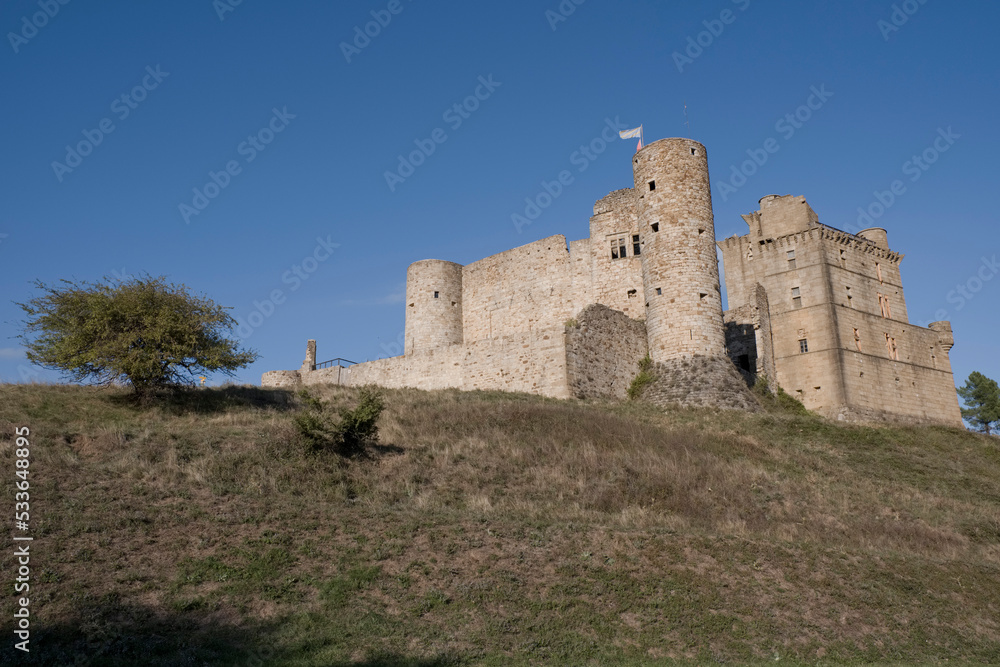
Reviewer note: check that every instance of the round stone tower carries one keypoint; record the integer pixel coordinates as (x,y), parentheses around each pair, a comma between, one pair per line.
(433,305)
(680,271)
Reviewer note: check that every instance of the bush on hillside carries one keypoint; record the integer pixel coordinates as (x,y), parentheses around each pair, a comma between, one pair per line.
(349,435)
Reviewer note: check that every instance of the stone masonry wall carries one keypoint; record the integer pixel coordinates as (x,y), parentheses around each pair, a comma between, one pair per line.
(533,362)
(518,291)
(603,351)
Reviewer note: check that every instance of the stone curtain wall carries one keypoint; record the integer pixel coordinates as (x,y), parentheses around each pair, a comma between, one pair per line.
(603,351)
(532,362)
(518,291)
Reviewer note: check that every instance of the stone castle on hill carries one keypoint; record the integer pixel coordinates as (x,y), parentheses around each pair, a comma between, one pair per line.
(812,309)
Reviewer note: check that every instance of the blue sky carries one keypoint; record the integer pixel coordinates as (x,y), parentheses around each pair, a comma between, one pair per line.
(248,156)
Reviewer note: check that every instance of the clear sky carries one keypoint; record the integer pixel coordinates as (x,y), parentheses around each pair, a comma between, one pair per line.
(242,149)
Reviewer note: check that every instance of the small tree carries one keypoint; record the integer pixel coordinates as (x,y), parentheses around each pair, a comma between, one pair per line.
(142,331)
(981,395)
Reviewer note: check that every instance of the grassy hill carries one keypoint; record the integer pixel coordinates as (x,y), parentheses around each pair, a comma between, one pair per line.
(497,529)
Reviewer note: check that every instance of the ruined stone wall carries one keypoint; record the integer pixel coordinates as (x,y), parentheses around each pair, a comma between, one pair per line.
(603,351)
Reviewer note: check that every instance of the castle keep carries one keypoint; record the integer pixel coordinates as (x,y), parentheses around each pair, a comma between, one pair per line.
(815,310)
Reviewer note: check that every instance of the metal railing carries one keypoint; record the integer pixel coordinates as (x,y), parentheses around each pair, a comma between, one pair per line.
(333,362)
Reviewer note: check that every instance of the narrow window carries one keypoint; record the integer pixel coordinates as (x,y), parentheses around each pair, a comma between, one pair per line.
(796,298)
(694,151)
(857,340)
(878,271)
(843,260)
(655,226)
(636,246)
(791,259)
(652,185)
(883,304)
(437,294)
(803,346)
(659,292)
(890,344)
(614,250)
(850,299)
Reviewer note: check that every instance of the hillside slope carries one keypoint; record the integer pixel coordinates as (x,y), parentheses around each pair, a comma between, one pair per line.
(498,529)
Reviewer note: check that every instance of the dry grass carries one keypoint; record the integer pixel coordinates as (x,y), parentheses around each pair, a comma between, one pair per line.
(501,529)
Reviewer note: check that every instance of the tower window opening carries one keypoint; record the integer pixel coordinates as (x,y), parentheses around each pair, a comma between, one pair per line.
(652,185)
(883,304)
(655,226)
(659,292)
(791,259)
(618,249)
(631,294)
(890,344)
(636,246)
(700,232)
(796,298)
(702,295)
(437,294)
(850,299)
(803,346)
(694,151)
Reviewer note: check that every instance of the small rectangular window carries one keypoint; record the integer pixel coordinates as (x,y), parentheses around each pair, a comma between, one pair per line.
(791,259)
(796,298)
(436,294)
(652,185)
(803,346)
(659,292)
(636,246)
(655,226)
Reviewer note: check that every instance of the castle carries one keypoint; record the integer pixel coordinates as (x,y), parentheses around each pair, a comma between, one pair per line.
(812,309)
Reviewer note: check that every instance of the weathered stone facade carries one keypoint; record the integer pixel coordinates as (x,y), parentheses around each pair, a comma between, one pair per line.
(809,307)
(834,313)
